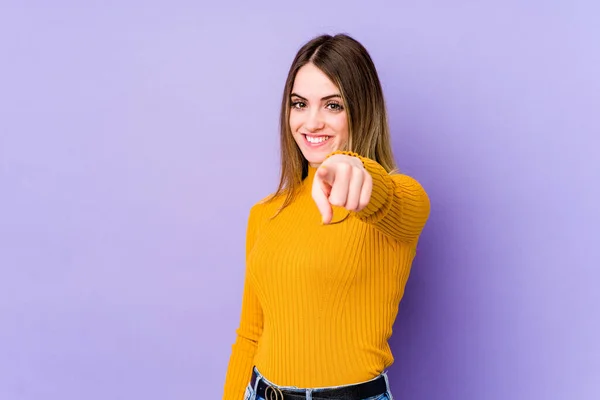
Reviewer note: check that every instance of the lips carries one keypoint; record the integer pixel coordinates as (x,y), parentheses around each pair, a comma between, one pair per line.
(315,140)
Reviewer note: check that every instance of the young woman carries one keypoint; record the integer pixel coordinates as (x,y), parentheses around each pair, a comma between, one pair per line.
(329,253)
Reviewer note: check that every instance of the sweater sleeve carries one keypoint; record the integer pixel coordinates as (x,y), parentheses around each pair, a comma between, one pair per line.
(399,206)
(249,331)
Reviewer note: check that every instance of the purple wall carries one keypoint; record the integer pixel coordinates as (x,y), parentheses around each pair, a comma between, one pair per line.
(134,139)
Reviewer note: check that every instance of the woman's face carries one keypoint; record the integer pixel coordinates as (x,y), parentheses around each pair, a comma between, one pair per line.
(318,118)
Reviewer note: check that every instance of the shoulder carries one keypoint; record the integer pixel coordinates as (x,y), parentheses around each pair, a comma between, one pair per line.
(267,206)
(409,187)
(404,179)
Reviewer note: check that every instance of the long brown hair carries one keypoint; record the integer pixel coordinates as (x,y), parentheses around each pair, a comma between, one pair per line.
(349,66)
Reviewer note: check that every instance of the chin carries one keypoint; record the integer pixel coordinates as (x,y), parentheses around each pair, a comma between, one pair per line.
(315,156)
(315,162)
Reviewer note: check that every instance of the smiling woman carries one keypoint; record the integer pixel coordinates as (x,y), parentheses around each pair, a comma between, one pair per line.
(332,91)
(329,253)
(318,120)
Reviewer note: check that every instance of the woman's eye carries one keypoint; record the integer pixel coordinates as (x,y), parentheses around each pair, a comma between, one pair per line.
(298,104)
(335,106)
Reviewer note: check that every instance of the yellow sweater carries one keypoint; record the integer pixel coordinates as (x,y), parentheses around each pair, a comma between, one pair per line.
(320,300)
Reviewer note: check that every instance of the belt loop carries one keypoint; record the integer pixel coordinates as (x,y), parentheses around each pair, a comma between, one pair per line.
(309,394)
(258,378)
(387,382)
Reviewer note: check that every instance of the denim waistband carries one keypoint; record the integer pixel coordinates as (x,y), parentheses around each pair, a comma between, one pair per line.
(309,391)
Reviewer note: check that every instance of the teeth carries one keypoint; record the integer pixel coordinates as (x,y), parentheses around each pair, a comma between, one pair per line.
(316,140)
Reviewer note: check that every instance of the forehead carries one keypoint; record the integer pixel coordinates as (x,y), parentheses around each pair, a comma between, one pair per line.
(311,81)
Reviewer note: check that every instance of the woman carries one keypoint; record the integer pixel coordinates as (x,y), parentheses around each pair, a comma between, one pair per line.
(329,253)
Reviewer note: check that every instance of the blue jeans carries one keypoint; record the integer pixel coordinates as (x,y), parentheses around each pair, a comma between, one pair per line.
(250,393)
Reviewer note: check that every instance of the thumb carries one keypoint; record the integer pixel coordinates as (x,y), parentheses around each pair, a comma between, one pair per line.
(326,174)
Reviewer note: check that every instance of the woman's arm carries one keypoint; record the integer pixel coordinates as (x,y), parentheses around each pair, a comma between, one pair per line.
(396,204)
(249,331)
(399,206)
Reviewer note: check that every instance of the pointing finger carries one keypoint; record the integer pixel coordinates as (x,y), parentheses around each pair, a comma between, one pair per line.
(326,174)
(320,192)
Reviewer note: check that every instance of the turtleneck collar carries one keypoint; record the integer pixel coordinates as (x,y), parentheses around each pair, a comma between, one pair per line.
(311,173)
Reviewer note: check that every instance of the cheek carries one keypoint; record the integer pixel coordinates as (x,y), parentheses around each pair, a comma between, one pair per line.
(295,122)
(340,125)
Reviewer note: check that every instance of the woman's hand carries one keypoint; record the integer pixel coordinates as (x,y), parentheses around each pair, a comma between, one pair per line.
(341,181)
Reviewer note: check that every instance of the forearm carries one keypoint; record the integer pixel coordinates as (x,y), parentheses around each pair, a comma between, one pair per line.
(399,206)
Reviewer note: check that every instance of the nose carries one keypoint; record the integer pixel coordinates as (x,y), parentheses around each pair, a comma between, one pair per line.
(314,121)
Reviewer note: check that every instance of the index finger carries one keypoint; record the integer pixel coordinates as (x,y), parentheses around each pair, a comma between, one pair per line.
(320,191)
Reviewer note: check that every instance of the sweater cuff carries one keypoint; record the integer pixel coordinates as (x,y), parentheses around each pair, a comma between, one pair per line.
(346,153)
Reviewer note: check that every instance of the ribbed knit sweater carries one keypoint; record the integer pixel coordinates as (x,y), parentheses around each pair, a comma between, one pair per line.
(320,300)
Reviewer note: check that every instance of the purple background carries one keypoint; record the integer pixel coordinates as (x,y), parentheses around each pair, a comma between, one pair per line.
(135,136)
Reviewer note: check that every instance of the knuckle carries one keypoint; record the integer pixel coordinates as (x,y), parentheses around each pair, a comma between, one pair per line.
(336,201)
(345,168)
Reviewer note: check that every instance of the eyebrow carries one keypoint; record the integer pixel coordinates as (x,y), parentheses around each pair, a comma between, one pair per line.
(331,96)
